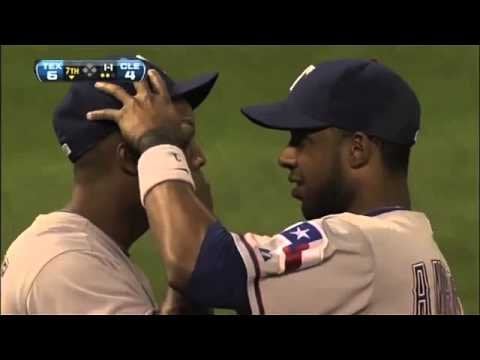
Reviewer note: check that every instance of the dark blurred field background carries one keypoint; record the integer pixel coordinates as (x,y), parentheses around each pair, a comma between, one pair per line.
(251,191)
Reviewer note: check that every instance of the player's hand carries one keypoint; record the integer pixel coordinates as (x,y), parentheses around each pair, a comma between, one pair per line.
(149,118)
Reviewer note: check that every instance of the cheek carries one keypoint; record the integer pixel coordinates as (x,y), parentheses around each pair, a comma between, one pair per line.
(314,169)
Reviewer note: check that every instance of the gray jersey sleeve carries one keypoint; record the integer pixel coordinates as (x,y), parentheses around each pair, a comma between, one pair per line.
(82,282)
(322,266)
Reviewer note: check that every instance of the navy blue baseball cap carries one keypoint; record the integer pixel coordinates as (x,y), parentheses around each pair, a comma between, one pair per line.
(354,95)
(77,135)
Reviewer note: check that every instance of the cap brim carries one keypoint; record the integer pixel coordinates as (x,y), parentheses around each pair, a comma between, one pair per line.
(196,90)
(281,116)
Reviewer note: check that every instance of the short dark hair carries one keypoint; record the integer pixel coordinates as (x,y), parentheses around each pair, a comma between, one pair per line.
(395,156)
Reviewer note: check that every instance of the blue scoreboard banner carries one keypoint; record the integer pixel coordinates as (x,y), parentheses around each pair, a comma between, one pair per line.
(90,70)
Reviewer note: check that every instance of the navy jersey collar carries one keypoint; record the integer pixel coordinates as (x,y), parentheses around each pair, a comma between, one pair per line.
(375,212)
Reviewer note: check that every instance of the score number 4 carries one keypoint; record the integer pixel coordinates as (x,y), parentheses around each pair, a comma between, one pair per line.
(130,75)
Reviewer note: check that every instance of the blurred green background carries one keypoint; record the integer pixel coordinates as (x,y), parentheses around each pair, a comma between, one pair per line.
(251,192)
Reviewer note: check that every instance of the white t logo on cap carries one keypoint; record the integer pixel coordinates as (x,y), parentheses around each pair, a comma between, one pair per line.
(416,136)
(305,72)
(145,59)
(66,149)
(142,58)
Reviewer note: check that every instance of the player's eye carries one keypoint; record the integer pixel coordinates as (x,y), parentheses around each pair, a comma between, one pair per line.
(298,138)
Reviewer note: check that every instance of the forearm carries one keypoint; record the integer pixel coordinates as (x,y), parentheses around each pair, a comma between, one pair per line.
(178,219)
(179,222)
(176,304)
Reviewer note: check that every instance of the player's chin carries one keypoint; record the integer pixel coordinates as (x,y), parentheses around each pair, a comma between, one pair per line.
(307,213)
(311,210)
(297,193)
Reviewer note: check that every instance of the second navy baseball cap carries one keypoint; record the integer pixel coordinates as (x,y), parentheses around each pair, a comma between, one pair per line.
(77,135)
(354,95)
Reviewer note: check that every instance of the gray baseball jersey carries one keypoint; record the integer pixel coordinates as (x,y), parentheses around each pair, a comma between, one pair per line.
(64,264)
(386,263)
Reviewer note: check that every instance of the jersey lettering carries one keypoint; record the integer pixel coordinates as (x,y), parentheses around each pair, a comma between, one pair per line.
(421,290)
(446,299)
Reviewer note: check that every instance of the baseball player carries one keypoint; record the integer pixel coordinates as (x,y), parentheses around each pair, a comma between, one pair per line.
(76,260)
(361,250)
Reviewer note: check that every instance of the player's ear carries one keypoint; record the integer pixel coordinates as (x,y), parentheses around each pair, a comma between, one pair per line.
(360,150)
(127,159)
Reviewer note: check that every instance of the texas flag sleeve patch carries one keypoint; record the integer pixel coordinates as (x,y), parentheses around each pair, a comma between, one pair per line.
(297,247)
(305,248)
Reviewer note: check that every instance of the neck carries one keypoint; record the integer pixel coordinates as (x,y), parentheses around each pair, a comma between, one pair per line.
(107,213)
(391,193)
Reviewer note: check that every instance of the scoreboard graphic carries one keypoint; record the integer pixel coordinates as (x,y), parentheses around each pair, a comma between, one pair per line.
(120,70)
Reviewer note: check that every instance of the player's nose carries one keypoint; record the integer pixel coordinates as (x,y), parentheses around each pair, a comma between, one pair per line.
(288,158)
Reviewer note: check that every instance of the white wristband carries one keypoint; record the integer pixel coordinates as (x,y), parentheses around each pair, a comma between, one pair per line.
(162,163)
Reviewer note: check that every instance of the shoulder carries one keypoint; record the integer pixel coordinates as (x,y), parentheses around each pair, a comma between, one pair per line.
(394,220)
(302,245)
(325,252)
(76,265)
(48,237)
(54,230)
(84,282)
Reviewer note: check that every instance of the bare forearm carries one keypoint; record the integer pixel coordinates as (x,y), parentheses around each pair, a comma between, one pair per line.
(178,219)
(176,304)
(179,222)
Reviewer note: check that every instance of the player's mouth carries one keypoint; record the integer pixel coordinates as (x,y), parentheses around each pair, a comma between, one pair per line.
(296,192)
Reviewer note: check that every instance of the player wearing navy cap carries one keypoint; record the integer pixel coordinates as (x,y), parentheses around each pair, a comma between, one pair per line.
(361,250)
(75,260)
